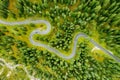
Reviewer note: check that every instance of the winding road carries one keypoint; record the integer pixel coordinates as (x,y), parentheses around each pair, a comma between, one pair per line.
(51,49)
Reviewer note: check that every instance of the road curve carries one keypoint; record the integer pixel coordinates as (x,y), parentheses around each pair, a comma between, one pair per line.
(51,49)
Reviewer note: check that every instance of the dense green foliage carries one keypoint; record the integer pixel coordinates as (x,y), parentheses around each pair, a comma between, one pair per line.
(67,17)
(4,8)
(83,66)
